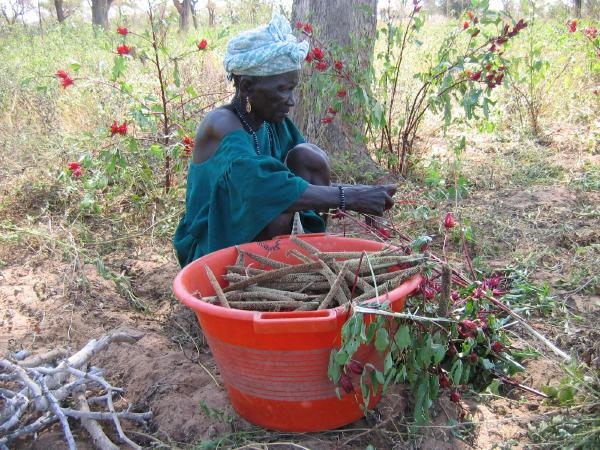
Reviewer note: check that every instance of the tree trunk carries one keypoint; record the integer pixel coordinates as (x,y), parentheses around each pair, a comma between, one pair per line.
(349,25)
(60,11)
(577,8)
(184,8)
(100,13)
(211,7)
(193,4)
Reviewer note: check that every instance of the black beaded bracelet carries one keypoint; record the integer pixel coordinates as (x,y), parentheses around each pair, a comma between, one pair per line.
(342,198)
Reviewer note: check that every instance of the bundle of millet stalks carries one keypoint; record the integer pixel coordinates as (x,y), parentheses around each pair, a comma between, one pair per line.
(320,280)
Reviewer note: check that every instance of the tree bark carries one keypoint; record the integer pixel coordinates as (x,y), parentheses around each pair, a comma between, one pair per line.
(184,8)
(211,7)
(100,13)
(60,11)
(193,4)
(577,8)
(348,25)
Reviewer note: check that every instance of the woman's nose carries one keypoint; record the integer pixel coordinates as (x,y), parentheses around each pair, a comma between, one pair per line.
(291,100)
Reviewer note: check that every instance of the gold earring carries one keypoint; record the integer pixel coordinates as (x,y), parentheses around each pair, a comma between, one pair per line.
(248,105)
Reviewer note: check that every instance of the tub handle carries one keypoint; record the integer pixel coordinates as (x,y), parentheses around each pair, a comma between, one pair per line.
(296,321)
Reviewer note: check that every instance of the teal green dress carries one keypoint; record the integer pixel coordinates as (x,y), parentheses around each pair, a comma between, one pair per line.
(236,193)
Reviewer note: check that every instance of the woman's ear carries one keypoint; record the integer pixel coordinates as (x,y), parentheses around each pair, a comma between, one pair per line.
(246,85)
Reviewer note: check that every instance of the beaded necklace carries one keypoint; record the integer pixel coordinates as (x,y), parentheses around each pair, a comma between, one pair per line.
(250,130)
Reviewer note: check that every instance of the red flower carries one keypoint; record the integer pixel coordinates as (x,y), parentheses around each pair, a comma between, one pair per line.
(66,82)
(318,53)
(428,293)
(455,396)
(321,66)
(332,110)
(299,25)
(356,367)
(115,128)
(327,119)
(473,357)
(188,145)
(474,76)
(444,381)
(75,169)
(202,44)
(338,65)
(346,383)
(467,328)
(123,49)
(122,31)
(341,93)
(65,79)
(572,25)
(497,347)
(383,232)
(465,25)
(449,221)
(309,57)
(471,15)
(307,28)
(591,32)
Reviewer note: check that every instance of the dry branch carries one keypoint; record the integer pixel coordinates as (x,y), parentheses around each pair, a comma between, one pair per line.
(51,387)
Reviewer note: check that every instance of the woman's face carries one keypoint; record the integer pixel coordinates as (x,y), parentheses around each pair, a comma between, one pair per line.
(272,97)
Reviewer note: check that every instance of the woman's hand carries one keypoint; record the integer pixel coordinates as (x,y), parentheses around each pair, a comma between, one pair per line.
(369,199)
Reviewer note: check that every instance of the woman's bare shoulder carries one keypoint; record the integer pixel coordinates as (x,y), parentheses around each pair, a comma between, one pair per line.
(218,123)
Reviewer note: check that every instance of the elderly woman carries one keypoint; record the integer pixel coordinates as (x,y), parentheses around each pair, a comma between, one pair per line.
(251,168)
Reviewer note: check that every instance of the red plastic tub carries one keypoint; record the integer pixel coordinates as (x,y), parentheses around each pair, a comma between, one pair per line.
(274,364)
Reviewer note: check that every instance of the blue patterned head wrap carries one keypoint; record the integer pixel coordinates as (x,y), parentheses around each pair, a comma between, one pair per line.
(268,50)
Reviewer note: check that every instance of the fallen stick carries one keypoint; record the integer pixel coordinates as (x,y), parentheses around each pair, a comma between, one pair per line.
(34,384)
(93,428)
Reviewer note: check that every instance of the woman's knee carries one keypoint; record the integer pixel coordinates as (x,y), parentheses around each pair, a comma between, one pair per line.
(311,163)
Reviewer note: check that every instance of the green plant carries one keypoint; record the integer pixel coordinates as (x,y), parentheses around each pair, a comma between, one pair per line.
(577,427)
(468,65)
(448,341)
(150,136)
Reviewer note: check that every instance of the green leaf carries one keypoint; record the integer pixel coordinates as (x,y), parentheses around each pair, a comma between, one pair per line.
(422,400)
(550,391)
(341,357)
(126,88)
(439,353)
(494,387)
(382,340)
(402,337)
(487,364)
(434,387)
(334,369)
(456,372)
(156,150)
(566,394)
(176,78)
(424,356)
(118,69)
(75,66)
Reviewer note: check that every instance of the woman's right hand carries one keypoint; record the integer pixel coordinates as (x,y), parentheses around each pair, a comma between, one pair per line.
(369,199)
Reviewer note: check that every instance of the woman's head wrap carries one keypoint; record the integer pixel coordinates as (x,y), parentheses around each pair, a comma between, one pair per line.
(268,50)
